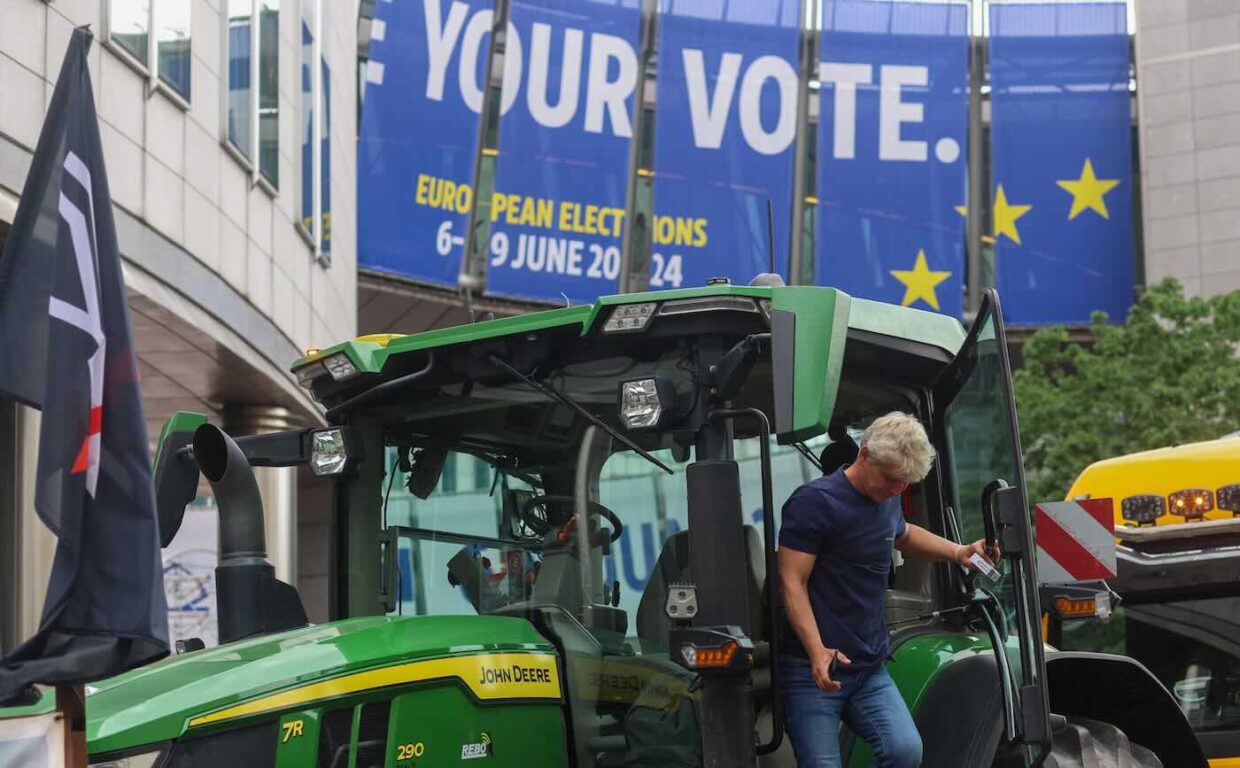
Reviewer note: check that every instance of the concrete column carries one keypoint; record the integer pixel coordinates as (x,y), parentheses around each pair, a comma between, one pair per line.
(277,485)
(37,544)
(10,540)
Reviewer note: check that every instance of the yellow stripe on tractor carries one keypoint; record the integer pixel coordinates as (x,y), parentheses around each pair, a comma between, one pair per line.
(490,677)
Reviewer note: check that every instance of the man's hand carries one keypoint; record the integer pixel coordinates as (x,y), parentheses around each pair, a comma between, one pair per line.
(965,551)
(822,663)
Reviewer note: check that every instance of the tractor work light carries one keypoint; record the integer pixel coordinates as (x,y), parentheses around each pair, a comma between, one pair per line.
(1191,503)
(340,366)
(329,456)
(718,657)
(708,304)
(645,403)
(629,317)
(1228,498)
(308,373)
(1142,509)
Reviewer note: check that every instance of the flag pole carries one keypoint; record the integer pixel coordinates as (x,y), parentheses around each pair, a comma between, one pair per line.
(71,706)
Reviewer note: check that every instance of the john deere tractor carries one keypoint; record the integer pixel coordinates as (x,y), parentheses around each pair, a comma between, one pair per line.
(492,625)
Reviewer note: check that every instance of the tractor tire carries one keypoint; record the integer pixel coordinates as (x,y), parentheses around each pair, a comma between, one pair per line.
(1084,743)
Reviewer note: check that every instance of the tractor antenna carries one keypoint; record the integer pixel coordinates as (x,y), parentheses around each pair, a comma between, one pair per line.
(770,235)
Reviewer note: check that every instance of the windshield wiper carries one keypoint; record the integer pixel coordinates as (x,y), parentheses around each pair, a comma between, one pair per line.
(559,396)
(804,450)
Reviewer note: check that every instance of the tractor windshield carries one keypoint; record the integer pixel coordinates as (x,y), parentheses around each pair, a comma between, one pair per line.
(492,500)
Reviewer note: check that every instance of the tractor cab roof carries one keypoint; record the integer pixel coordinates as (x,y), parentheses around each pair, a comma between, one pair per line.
(456,389)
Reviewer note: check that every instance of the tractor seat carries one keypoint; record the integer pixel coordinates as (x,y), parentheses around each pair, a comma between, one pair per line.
(673,565)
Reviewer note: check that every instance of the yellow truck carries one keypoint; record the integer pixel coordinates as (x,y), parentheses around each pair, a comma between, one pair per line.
(1177,518)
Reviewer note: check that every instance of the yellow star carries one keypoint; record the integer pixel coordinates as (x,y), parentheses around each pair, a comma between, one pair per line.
(1087,192)
(962,210)
(1006,215)
(919,282)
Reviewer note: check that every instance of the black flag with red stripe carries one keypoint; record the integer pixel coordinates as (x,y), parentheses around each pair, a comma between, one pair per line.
(65,349)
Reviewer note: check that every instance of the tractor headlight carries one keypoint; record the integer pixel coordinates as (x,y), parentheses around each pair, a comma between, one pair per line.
(644,403)
(1142,509)
(629,317)
(1228,498)
(308,373)
(138,760)
(329,454)
(1191,503)
(340,366)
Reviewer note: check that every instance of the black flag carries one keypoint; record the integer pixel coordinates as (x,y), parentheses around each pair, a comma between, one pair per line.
(65,349)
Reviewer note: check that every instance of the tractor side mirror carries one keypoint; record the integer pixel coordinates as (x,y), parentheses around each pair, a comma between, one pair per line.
(427,469)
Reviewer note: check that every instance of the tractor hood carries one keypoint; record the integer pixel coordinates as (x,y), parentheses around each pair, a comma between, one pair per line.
(158,702)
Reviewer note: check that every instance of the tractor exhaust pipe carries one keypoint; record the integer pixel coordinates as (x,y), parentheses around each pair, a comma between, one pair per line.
(250,599)
(236,492)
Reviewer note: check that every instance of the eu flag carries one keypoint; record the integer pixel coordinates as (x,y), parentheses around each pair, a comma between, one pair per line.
(891,151)
(1062,161)
(63,316)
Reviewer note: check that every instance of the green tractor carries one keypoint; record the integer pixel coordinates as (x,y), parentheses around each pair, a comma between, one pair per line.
(493,626)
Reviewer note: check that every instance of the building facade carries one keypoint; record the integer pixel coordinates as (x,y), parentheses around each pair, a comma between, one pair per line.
(1188,67)
(235,211)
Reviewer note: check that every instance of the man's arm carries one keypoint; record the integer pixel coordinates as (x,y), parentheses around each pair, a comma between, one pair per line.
(919,542)
(794,570)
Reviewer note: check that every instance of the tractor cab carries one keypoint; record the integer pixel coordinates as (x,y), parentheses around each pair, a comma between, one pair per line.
(569,521)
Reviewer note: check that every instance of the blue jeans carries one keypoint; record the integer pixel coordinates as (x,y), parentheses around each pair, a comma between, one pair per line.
(867,702)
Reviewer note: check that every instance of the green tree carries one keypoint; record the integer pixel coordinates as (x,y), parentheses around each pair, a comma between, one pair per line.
(1169,375)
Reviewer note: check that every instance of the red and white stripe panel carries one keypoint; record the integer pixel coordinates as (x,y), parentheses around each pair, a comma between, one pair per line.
(1076,540)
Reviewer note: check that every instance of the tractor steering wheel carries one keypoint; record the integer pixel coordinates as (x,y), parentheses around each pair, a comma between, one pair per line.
(542,525)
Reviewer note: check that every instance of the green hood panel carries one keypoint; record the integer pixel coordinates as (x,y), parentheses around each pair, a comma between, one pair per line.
(155,703)
(44,706)
(921,657)
(914,665)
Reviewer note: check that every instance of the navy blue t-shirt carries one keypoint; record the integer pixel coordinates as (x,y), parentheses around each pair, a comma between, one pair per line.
(852,537)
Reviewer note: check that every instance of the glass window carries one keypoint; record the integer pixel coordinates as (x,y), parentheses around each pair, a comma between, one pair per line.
(239,90)
(172,41)
(307,117)
(132,22)
(253,100)
(269,90)
(550,542)
(325,163)
(129,26)
(316,143)
(982,447)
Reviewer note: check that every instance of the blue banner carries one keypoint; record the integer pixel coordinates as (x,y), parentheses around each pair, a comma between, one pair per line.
(419,135)
(1062,160)
(725,135)
(891,151)
(564,133)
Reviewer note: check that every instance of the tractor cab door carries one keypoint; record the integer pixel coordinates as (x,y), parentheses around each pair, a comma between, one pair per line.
(979,441)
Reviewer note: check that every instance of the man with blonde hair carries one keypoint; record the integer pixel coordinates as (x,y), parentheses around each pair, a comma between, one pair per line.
(835,553)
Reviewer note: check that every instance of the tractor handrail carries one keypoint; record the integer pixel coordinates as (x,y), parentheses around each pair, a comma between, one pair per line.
(772,574)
